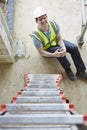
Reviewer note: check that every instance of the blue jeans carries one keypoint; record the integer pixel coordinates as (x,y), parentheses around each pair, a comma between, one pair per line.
(72,49)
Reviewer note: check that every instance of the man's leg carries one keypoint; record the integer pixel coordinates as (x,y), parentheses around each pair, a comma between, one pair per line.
(77,59)
(65,64)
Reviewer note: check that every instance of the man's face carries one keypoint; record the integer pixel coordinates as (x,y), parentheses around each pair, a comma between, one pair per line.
(42,21)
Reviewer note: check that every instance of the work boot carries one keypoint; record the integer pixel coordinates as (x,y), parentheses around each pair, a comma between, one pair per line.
(70,74)
(82,74)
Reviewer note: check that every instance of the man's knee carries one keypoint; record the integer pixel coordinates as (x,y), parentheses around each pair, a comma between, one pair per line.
(75,47)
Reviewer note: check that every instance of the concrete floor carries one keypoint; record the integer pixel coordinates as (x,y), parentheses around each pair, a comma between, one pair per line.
(68,14)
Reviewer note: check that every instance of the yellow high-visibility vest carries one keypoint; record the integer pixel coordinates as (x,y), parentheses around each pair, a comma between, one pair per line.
(40,36)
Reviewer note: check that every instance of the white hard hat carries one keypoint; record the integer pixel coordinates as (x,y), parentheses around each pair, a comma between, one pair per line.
(39,12)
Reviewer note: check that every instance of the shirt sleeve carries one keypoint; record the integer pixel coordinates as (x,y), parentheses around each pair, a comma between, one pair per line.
(58,28)
(37,43)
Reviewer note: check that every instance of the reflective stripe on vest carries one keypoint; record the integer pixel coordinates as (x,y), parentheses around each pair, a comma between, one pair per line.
(40,36)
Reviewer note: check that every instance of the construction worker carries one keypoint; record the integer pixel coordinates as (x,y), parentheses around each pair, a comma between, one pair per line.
(49,43)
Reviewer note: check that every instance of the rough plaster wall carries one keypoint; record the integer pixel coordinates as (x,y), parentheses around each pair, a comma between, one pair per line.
(68,15)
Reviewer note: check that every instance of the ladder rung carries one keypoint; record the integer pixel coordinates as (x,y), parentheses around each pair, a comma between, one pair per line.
(42,81)
(40,128)
(40,93)
(34,99)
(42,89)
(43,76)
(46,86)
(42,84)
(39,107)
(30,119)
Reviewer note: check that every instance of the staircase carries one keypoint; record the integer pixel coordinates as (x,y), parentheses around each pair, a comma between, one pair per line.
(41,105)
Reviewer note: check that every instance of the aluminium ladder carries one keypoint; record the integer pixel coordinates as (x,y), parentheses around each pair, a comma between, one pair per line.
(80,39)
(41,105)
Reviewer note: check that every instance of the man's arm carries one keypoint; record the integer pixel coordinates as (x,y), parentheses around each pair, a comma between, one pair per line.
(60,41)
(48,54)
(42,52)
(61,44)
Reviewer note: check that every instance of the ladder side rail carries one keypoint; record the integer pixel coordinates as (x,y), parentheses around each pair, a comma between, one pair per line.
(80,39)
(83,31)
(83,13)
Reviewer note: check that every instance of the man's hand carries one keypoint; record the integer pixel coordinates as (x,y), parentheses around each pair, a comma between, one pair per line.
(60,52)
(44,53)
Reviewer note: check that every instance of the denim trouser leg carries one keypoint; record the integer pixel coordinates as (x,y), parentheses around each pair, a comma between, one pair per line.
(75,54)
(63,60)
